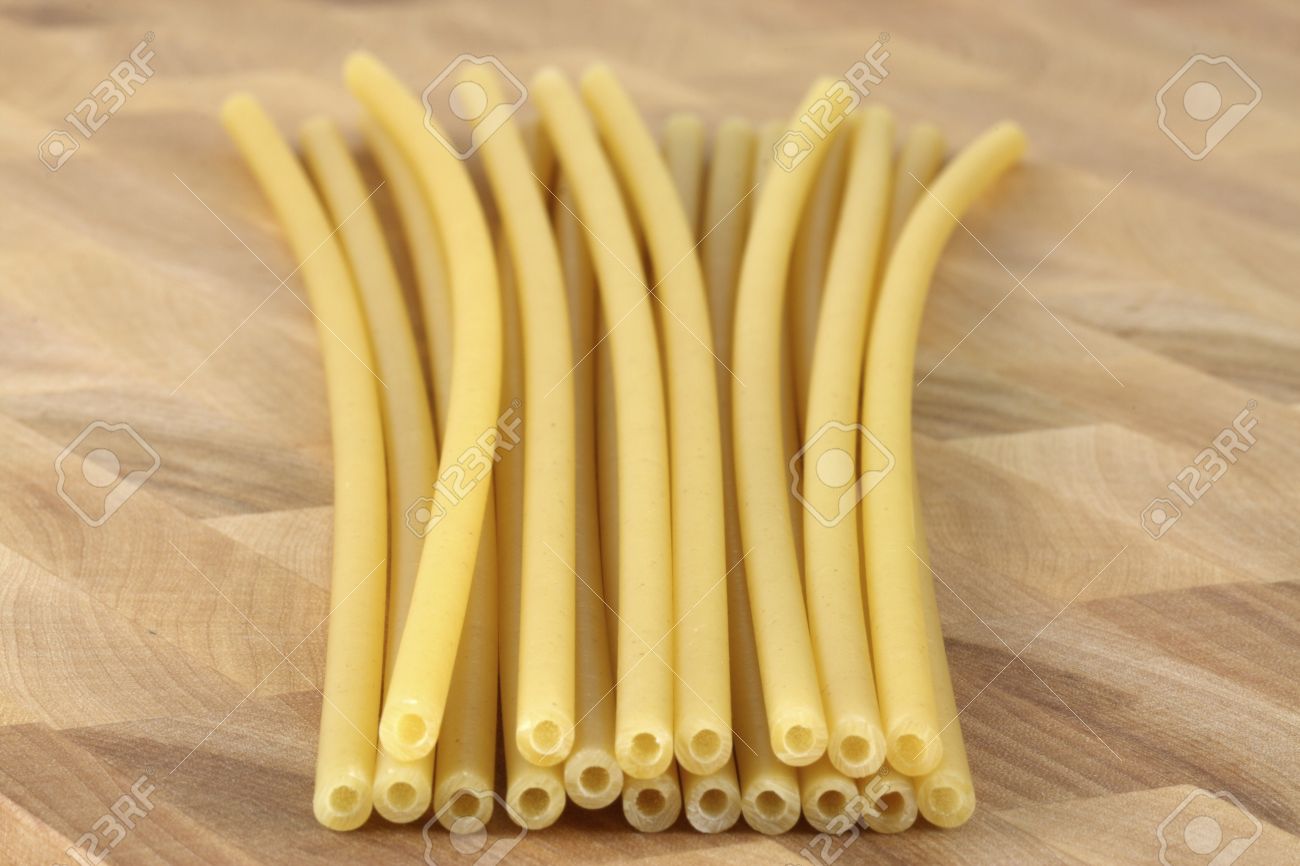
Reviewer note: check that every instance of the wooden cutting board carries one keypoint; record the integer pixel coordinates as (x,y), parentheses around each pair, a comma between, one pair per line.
(1109,310)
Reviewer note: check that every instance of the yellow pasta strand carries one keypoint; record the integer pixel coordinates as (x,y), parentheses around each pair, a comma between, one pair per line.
(831,471)
(545,710)
(402,790)
(345,759)
(592,776)
(902,653)
(796,721)
(827,794)
(808,266)
(652,805)
(712,801)
(417,693)
(891,802)
(424,248)
(727,199)
(644,706)
(949,792)
(534,794)
(918,162)
(683,149)
(769,790)
(702,699)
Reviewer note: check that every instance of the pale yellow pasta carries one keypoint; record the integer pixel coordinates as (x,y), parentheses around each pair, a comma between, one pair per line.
(683,149)
(402,789)
(700,652)
(796,720)
(467,747)
(424,248)
(545,711)
(808,264)
(712,801)
(652,805)
(832,464)
(828,796)
(592,776)
(890,805)
(769,789)
(534,794)
(418,689)
(644,698)
(345,754)
(919,160)
(903,651)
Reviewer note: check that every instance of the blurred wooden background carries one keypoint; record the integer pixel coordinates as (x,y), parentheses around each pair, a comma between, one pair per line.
(1050,415)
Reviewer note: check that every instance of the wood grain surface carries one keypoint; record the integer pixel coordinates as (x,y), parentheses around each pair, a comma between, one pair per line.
(1110,309)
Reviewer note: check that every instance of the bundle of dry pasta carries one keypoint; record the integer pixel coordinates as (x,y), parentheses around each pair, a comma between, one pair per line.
(663,507)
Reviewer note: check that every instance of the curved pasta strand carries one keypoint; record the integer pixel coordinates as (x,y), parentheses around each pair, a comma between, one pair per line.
(830,471)
(544,715)
(702,699)
(402,790)
(345,755)
(644,698)
(903,654)
(796,721)
(418,689)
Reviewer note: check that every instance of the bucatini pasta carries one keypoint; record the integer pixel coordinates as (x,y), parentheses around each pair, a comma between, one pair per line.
(644,698)
(769,789)
(592,776)
(402,789)
(826,794)
(918,162)
(652,805)
(712,801)
(345,755)
(417,691)
(424,248)
(832,581)
(808,264)
(534,793)
(949,793)
(702,699)
(890,801)
(795,717)
(682,144)
(903,654)
(700,582)
(545,711)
